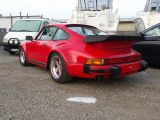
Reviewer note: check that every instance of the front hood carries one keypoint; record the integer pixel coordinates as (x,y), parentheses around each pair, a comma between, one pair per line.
(21,36)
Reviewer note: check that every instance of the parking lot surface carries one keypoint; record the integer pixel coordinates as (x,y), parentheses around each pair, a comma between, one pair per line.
(29,93)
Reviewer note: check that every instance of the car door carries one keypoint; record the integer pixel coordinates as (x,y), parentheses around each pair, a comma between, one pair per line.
(150,47)
(41,47)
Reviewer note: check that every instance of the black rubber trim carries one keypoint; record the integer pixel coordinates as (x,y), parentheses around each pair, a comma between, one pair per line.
(144,65)
(86,69)
(40,63)
(102,38)
(79,25)
(115,71)
(99,71)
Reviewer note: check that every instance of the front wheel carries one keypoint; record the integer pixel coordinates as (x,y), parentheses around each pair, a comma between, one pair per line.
(58,69)
(22,57)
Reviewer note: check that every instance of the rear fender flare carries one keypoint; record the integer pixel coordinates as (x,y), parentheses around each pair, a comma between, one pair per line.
(49,56)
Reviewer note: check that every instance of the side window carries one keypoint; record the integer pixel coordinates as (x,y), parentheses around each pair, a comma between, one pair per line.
(77,30)
(153,32)
(47,33)
(88,31)
(61,35)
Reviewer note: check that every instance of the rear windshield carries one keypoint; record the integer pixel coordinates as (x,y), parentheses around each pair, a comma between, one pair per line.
(26,26)
(85,31)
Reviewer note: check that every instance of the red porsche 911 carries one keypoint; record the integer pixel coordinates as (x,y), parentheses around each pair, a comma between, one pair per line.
(75,50)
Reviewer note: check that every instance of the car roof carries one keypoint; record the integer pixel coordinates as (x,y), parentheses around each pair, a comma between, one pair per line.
(70,25)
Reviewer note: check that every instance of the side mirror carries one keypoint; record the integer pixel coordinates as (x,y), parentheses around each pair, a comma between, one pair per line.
(29,38)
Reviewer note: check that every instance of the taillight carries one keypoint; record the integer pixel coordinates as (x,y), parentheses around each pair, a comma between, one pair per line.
(111,61)
(122,60)
(95,61)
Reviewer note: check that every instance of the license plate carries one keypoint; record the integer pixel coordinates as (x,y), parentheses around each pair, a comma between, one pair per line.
(14,50)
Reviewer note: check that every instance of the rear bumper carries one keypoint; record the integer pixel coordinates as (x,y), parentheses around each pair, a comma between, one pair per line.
(115,71)
(144,65)
(112,71)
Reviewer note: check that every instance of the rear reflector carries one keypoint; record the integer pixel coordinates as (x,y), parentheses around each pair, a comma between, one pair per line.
(122,60)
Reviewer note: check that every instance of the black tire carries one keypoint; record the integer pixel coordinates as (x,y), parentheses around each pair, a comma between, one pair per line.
(12,53)
(63,76)
(23,60)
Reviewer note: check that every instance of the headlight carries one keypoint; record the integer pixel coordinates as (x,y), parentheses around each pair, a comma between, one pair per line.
(13,41)
(16,42)
(10,42)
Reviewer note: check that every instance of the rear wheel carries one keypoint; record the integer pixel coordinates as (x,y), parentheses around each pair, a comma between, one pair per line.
(58,69)
(22,57)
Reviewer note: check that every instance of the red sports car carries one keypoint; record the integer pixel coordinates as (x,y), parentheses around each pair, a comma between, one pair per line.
(74,50)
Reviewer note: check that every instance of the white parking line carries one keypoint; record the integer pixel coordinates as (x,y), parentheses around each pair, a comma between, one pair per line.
(88,100)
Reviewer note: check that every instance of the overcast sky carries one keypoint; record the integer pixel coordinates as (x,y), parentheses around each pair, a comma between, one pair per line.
(58,9)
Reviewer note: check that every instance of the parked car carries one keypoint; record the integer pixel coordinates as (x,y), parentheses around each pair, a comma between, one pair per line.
(73,50)
(150,46)
(20,30)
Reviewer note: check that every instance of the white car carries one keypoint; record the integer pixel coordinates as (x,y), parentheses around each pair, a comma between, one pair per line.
(19,31)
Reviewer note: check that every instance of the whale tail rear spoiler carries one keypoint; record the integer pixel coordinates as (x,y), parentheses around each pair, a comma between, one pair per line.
(105,38)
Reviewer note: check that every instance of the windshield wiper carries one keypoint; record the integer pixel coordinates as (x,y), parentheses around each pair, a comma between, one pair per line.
(14,30)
